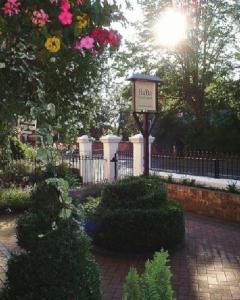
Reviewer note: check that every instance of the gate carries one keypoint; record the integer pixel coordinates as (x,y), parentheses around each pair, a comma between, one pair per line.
(123,164)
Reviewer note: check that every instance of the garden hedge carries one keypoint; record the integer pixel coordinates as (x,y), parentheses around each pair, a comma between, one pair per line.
(134,215)
(141,230)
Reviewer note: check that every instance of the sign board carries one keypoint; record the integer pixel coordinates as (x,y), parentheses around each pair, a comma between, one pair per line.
(27,127)
(145,96)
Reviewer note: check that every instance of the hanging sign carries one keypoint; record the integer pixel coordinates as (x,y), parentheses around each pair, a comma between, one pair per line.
(145,96)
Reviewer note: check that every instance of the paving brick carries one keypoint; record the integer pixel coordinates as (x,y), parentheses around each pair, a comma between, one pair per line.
(207,268)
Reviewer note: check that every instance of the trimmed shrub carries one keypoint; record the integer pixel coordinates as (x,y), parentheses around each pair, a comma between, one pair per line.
(134,215)
(57,263)
(154,284)
(15,199)
(135,192)
(141,230)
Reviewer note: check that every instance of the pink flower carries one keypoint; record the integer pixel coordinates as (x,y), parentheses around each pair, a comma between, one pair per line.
(65,5)
(11,7)
(65,17)
(85,43)
(40,18)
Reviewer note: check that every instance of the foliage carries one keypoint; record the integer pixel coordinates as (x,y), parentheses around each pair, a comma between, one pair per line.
(57,263)
(134,192)
(92,190)
(55,85)
(134,216)
(91,206)
(189,182)
(53,165)
(233,188)
(154,284)
(199,99)
(20,172)
(140,230)
(21,150)
(16,148)
(14,199)
(5,150)
(132,289)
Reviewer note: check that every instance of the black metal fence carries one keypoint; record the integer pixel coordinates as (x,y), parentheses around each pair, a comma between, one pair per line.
(199,163)
(22,171)
(19,171)
(123,164)
(90,167)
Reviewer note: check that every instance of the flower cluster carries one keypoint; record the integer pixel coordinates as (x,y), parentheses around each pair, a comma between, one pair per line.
(100,37)
(65,17)
(69,24)
(11,7)
(39,17)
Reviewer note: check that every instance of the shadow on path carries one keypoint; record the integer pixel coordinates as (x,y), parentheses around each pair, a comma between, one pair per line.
(208,267)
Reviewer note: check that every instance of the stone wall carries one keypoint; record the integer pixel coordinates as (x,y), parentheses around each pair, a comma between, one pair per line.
(218,204)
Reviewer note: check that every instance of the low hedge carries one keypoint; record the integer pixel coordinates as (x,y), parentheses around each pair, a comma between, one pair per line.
(14,199)
(138,230)
(134,215)
(135,192)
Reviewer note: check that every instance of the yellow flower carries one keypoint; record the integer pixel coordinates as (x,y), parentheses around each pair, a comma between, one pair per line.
(53,44)
(82,21)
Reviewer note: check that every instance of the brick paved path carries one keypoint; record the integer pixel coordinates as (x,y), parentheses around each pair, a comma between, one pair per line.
(208,267)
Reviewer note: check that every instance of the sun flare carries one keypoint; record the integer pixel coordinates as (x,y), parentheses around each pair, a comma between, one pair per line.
(171,28)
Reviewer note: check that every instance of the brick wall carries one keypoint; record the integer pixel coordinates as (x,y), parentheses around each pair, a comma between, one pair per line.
(222,205)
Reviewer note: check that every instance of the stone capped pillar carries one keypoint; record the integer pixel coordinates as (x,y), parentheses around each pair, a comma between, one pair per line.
(110,147)
(85,146)
(138,153)
(85,159)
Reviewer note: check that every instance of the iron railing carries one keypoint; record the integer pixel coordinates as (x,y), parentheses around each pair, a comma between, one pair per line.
(199,163)
(90,167)
(20,170)
(124,164)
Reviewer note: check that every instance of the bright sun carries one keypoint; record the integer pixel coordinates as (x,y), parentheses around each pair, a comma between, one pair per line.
(171,28)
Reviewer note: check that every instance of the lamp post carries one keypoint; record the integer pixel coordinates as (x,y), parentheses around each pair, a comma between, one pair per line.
(145,103)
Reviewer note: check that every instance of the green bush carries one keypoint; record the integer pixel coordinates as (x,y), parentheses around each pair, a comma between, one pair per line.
(15,199)
(20,173)
(141,230)
(57,263)
(132,287)
(89,191)
(233,188)
(62,171)
(154,284)
(134,215)
(16,148)
(135,192)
